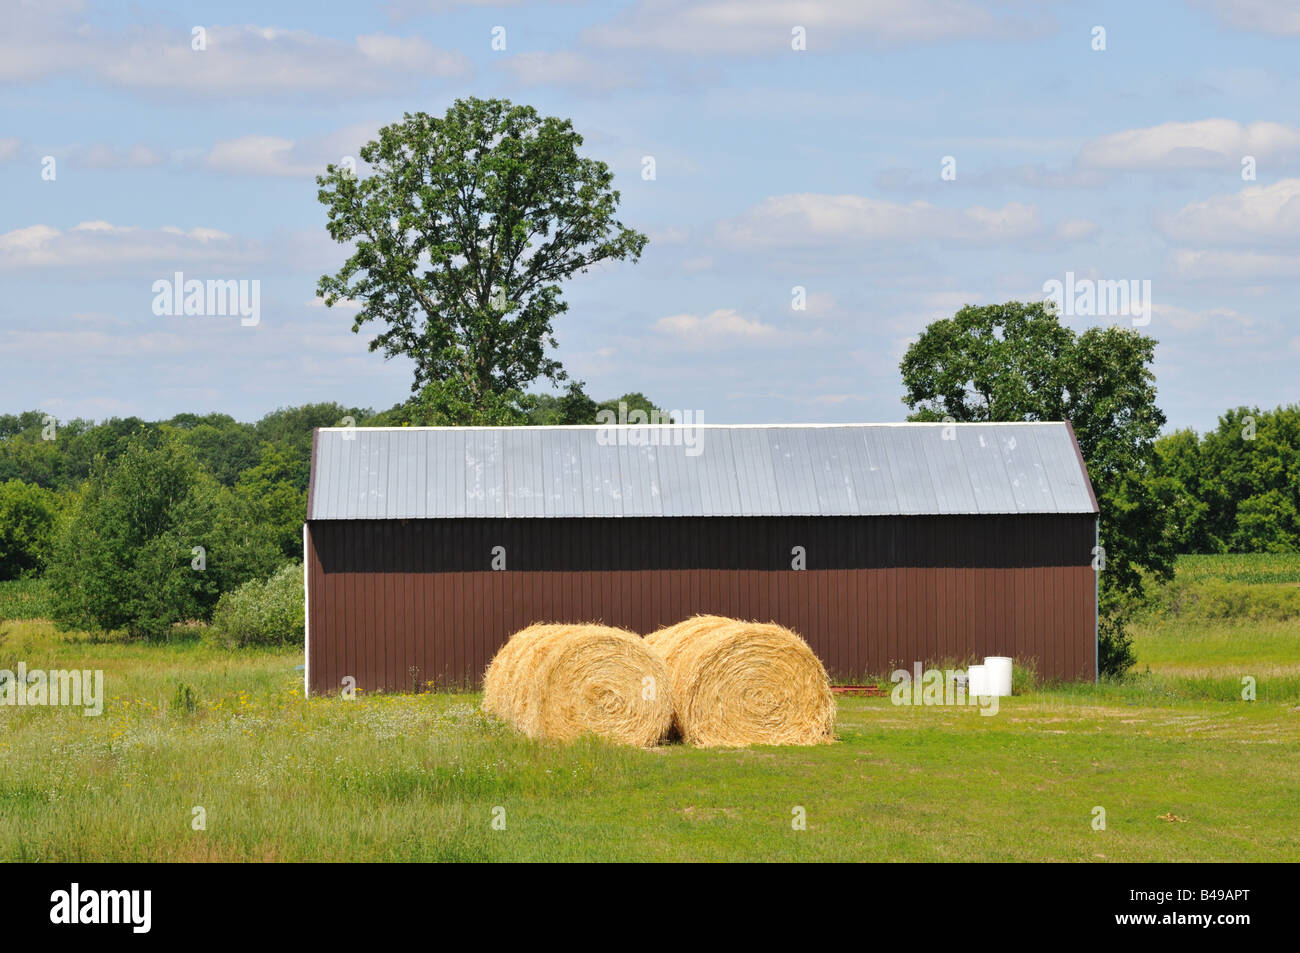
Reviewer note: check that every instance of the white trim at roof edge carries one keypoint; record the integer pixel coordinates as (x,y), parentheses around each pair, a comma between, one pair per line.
(901,423)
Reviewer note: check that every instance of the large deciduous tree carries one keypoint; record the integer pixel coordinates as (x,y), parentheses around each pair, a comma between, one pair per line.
(1016,361)
(463,231)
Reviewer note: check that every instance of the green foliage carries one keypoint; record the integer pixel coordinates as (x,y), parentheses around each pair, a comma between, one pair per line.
(462,235)
(27,422)
(270,494)
(1220,600)
(37,449)
(571,408)
(1016,361)
(224,447)
(25,599)
(184,701)
(262,612)
(1115,655)
(1024,678)
(1239,485)
(125,557)
(32,460)
(291,428)
(1244,567)
(452,403)
(28,514)
(631,407)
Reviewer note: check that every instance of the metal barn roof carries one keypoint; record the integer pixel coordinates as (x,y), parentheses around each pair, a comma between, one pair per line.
(697,470)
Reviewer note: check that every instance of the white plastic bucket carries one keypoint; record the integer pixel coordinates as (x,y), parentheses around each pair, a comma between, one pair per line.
(976,681)
(997,675)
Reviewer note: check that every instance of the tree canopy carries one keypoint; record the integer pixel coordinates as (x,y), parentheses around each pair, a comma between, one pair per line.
(1238,486)
(1016,361)
(462,233)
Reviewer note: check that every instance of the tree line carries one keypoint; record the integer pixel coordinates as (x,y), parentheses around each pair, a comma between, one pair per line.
(137,525)
(112,512)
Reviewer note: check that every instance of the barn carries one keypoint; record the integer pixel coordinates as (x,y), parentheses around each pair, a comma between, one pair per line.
(882,544)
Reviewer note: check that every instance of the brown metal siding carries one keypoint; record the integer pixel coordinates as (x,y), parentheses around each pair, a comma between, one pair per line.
(400,603)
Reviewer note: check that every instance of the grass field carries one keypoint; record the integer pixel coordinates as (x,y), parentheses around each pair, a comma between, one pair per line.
(1184,769)
(1254,568)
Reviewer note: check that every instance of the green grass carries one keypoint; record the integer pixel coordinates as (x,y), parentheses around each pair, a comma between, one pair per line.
(190,725)
(24,599)
(1251,568)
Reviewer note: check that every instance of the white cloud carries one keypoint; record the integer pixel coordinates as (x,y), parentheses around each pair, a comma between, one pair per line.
(1212,264)
(1255,16)
(238,60)
(113,157)
(97,244)
(820,303)
(1258,214)
(825,399)
(246,59)
(764,26)
(413,54)
(565,68)
(277,156)
(258,155)
(1186,319)
(114,345)
(39,40)
(1075,229)
(405,9)
(725,323)
(1205,144)
(669,235)
(26,239)
(95,156)
(815,219)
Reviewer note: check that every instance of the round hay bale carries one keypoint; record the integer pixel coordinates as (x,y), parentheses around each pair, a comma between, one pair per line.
(499,694)
(563,681)
(745,683)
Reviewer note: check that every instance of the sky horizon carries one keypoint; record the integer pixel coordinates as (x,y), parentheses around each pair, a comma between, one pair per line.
(893,159)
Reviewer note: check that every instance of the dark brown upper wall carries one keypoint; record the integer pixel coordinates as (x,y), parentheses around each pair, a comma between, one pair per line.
(762,543)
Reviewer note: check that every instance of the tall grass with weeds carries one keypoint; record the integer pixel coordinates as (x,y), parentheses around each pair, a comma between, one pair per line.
(190,724)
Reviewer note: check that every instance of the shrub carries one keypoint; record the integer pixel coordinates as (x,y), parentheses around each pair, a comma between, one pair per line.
(1114,645)
(152,540)
(1024,677)
(262,612)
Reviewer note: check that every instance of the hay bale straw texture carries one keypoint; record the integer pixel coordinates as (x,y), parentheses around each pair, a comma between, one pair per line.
(498,681)
(562,681)
(745,683)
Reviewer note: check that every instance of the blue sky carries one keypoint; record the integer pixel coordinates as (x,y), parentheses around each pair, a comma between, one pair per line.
(774,168)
